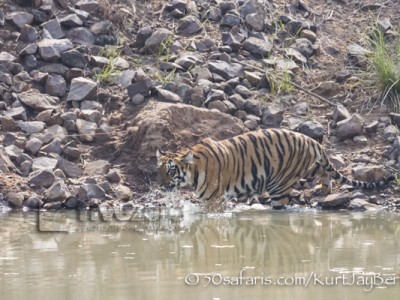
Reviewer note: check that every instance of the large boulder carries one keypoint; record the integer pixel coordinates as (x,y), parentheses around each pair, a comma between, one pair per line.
(171,126)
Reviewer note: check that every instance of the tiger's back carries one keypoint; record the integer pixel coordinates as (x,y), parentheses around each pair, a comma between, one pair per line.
(270,160)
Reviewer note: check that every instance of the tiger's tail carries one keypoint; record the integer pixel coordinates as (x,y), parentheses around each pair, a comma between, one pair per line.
(360,184)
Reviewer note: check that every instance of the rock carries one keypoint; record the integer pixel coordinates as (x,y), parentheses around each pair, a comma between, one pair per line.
(360,140)
(188,25)
(53,147)
(226,70)
(142,35)
(97,167)
(44,163)
(6,78)
(328,89)
(257,47)
(86,130)
(357,50)
(300,109)
(312,129)
(57,131)
(38,101)
(13,151)
(361,204)
(255,22)
(57,192)
(369,173)
(156,125)
(28,50)
(384,25)
(113,176)
(372,127)
(52,30)
(335,200)
(31,127)
(33,145)
(81,36)
(41,178)
(56,205)
(20,18)
(102,27)
(272,116)
(390,133)
(168,96)
(33,202)
(15,199)
(350,127)
(55,85)
(340,113)
(71,20)
(337,161)
(7,57)
(141,87)
(395,118)
(243,91)
(218,105)
(71,153)
(253,107)
(51,50)
(17,113)
(74,59)
(70,169)
(89,191)
(304,46)
(123,193)
(82,89)
(155,42)
(230,20)
(309,35)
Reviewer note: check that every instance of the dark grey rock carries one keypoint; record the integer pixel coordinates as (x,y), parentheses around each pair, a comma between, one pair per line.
(70,169)
(71,202)
(335,200)
(71,153)
(17,113)
(56,131)
(19,18)
(329,89)
(155,42)
(188,26)
(218,105)
(253,107)
(51,50)
(300,109)
(53,147)
(41,178)
(230,19)
(350,127)
(74,59)
(113,176)
(28,50)
(138,99)
(33,145)
(255,21)
(371,173)
(143,34)
(82,36)
(168,96)
(214,95)
(361,204)
(226,70)
(86,130)
(295,55)
(140,87)
(52,30)
(272,116)
(312,129)
(33,202)
(243,91)
(57,192)
(28,34)
(6,77)
(102,27)
(55,68)
(55,85)
(304,46)
(257,47)
(390,133)
(91,6)
(371,127)
(71,20)
(89,191)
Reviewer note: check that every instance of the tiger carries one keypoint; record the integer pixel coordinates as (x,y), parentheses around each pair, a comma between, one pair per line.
(268,161)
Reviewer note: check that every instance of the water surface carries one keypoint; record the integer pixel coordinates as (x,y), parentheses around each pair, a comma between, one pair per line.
(250,255)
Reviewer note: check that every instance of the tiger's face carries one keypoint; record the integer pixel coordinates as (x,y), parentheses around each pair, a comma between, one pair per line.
(173,170)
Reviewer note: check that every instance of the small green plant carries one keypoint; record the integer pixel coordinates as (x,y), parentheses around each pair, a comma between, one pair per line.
(397,179)
(385,64)
(110,71)
(282,83)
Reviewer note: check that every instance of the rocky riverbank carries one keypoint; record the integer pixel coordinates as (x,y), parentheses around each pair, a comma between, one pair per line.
(90,89)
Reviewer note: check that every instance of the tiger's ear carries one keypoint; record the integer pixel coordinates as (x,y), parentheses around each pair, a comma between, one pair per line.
(159,153)
(188,158)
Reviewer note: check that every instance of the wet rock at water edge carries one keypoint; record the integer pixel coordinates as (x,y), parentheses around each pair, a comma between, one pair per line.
(335,200)
(362,204)
(33,202)
(15,199)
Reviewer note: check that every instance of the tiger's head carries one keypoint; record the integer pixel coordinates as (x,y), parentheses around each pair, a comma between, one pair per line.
(173,169)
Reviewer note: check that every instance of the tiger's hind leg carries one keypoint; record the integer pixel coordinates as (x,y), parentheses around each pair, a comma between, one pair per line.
(325,188)
(280,201)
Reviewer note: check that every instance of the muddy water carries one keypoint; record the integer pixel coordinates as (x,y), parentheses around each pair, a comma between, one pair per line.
(248,255)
